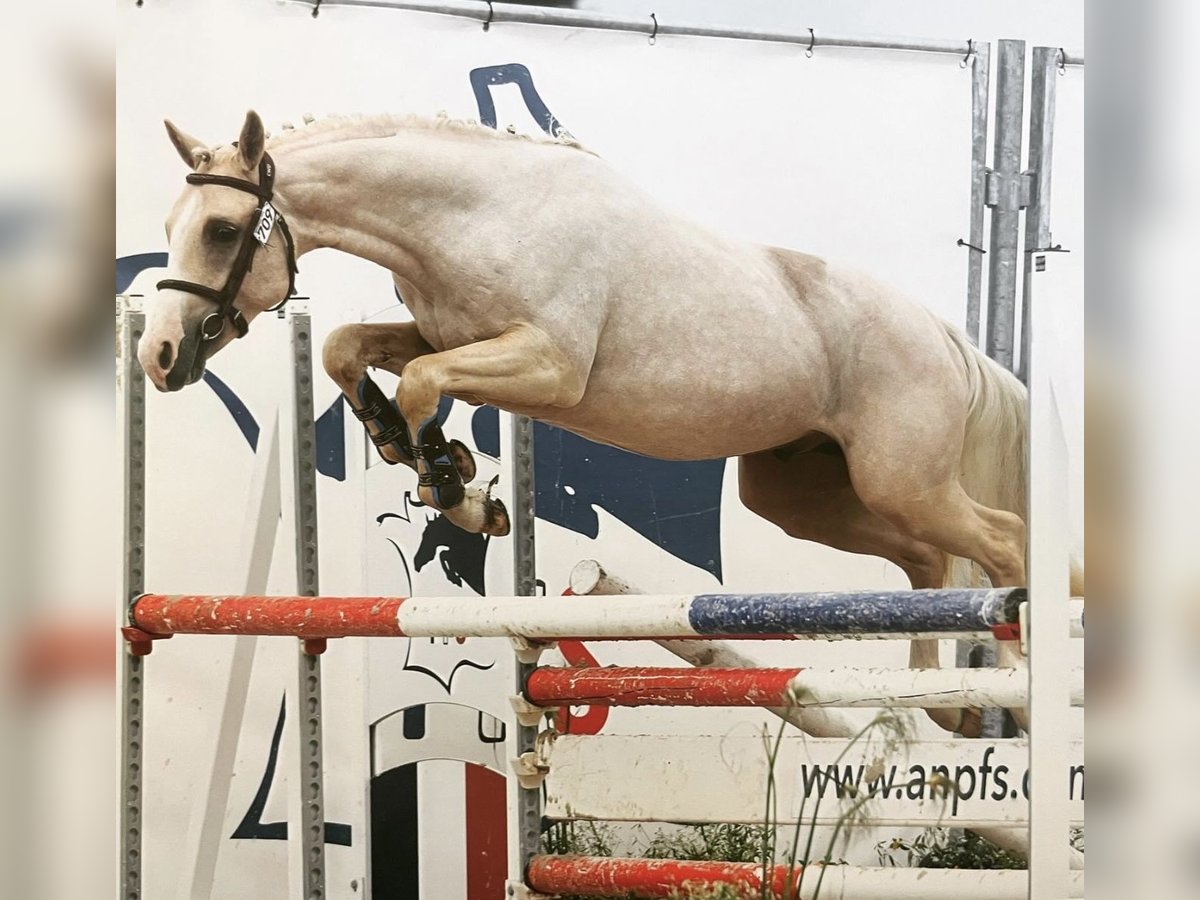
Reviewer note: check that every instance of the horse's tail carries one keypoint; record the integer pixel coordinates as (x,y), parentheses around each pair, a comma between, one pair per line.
(994,463)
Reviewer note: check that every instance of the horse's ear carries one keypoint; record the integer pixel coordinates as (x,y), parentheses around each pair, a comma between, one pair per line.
(252,142)
(192,151)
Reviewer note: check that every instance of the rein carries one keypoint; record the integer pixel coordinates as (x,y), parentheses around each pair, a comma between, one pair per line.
(258,231)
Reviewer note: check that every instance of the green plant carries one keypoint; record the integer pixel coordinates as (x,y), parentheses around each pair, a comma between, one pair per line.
(892,730)
(579,837)
(724,842)
(760,844)
(944,848)
(713,892)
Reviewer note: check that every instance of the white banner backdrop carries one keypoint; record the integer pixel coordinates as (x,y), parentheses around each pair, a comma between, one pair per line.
(859,156)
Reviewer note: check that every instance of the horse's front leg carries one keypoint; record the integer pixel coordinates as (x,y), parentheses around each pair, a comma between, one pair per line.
(348,352)
(522,368)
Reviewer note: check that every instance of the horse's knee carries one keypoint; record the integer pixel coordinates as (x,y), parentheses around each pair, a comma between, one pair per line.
(419,391)
(342,354)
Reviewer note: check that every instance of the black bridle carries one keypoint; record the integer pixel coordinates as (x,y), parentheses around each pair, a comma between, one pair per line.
(258,231)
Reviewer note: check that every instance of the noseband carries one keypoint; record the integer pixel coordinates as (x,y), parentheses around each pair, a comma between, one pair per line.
(258,231)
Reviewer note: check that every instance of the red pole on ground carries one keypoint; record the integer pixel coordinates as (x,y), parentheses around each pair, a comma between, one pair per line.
(302,617)
(648,878)
(615,686)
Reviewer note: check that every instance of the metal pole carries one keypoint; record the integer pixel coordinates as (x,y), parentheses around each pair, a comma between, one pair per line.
(1041,157)
(133,410)
(498,13)
(312,804)
(980,92)
(1005,197)
(528,800)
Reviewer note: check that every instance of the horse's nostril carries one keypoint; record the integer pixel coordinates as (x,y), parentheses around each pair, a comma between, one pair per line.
(164,356)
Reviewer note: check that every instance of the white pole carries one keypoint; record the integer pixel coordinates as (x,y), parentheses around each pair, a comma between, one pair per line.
(257,544)
(1049,627)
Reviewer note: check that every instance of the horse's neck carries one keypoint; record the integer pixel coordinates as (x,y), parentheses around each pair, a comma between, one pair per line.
(397,201)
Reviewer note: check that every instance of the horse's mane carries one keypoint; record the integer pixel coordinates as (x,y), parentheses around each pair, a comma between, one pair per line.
(355,127)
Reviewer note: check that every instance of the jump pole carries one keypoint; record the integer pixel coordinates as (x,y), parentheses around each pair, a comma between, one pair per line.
(552,687)
(651,878)
(950,612)
(590,577)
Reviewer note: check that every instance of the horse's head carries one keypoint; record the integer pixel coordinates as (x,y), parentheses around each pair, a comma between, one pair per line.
(213,289)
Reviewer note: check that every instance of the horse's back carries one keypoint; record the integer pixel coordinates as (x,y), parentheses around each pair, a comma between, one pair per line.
(698,331)
(695,345)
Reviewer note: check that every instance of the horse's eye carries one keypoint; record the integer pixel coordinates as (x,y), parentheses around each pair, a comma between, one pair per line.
(222,233)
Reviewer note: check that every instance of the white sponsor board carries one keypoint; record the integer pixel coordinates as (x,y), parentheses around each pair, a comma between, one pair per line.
(822,781)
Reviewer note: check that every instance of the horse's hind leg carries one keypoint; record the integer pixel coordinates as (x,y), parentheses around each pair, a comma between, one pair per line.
(809,495)
(932,507)
(944,516)
(348,352)
(521,368)
(907,473)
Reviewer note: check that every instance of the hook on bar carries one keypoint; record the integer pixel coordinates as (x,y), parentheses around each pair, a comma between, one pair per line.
(966,60)
(812,42)
(491,14)
(654,33)
(1062,61)
(316,8)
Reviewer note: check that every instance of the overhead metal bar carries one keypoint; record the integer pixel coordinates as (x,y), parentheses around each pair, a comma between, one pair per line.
(499,13)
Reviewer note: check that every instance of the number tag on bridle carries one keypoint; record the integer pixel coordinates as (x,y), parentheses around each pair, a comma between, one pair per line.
(266,223)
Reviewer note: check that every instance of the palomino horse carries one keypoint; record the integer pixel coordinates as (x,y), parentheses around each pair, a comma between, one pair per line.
(542,282)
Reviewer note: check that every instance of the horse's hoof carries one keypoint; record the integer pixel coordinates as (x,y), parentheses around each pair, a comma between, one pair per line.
(464,462)
(970,723)
(496,521)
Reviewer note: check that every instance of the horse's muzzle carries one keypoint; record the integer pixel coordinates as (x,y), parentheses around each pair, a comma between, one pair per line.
(188,366)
